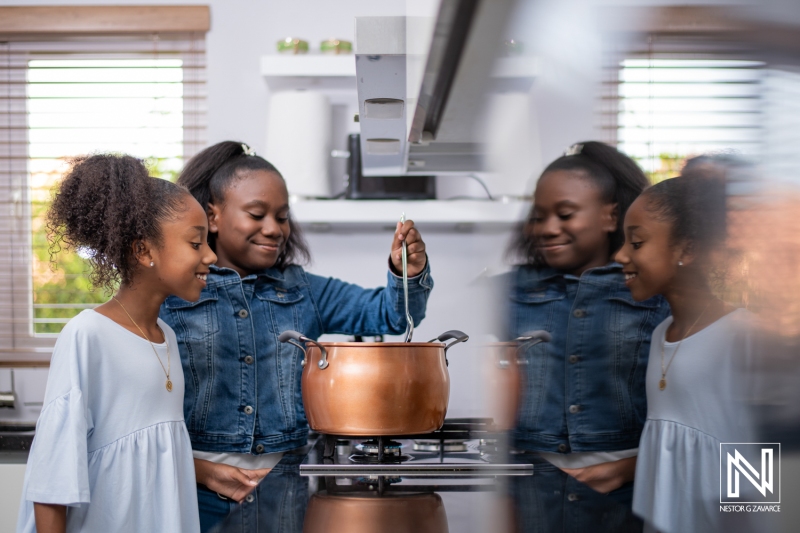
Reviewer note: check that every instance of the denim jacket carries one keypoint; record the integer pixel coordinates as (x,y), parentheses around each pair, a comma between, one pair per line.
(242,385)
(585,390)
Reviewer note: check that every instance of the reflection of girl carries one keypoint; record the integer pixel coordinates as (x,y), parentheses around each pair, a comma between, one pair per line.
(111,451)
(674,231)
(243,401)
(583,406)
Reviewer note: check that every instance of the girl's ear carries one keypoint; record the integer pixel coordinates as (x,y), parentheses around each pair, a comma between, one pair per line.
(685,255)
(213,212)
(610,217)
(143,252)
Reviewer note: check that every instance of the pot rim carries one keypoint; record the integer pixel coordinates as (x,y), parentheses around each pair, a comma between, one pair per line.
(381,344)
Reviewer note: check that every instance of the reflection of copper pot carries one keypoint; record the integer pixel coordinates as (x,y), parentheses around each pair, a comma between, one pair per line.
(375,389)
(506,378)
(417,513)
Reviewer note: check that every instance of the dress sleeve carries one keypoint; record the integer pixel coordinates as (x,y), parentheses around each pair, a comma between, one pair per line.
(57,465)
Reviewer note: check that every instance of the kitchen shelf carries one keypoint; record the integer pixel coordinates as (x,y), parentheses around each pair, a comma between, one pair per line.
(309,71)
(325,66)
(447,215)
(309,66)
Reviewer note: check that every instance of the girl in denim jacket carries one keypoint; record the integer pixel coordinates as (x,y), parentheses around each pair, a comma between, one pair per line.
(583,404)
(243,404)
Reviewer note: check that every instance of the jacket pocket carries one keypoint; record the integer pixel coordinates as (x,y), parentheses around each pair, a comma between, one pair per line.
(631,325)
(280,296)
(196,326)
(283,309)
(535,309)
(198,320)
(632,319)
(541,295)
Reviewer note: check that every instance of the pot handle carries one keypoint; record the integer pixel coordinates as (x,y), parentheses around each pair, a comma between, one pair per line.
(459,336)
(295,338)
(531,338)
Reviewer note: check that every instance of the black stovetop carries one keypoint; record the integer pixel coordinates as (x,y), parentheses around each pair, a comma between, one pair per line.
(483,487)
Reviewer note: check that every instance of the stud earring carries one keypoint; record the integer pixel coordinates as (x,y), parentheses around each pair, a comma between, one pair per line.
(680,263)
(151,263)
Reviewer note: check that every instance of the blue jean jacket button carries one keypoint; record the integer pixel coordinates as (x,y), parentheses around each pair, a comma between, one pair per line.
(574,408)
(243,313)
(260,448)
(563,448)
(248,410)
(578,313)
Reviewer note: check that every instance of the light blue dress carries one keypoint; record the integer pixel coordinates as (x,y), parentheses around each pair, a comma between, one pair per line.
(111,442)
(677,485)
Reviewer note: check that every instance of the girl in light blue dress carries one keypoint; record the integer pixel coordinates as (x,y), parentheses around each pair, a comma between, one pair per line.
(675,243)
(111,451)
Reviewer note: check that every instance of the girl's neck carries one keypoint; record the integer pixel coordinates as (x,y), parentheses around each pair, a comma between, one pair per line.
(135,309)
(693,310)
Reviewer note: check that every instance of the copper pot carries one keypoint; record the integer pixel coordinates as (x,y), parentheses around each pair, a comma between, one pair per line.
(418,513)
(505,377)
(373,389)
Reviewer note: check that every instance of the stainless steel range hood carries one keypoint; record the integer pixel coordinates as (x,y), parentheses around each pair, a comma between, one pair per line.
(423,85)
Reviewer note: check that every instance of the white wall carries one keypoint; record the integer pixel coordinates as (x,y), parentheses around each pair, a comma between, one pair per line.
(241,32)
(244,30)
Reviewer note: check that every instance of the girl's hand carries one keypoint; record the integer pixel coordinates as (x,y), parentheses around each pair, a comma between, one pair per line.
(605,477)
(416,249)
(230,481)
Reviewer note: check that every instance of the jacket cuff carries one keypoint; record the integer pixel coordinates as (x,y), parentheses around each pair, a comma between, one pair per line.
(422,280)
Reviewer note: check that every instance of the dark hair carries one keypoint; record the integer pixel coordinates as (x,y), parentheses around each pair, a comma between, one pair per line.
(209,173)
(694,204)
(617,176)
(103,206)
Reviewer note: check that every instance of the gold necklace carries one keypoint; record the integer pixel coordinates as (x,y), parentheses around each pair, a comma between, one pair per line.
(167,369)
(662,384)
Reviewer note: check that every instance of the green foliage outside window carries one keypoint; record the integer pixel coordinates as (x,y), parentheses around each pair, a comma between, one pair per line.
(62,290)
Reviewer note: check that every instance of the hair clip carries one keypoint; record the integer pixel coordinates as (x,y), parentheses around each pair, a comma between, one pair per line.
(247,150)
(575,149)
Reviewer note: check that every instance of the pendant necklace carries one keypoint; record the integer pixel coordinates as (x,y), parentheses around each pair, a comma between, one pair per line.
(662,384)
(167,369)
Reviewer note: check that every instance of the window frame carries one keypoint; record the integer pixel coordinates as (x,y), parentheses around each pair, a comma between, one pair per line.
(19,344)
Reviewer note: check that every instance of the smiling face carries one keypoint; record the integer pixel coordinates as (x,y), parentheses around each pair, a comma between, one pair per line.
(251,225)
(570,223)
(184,256)
(649,256)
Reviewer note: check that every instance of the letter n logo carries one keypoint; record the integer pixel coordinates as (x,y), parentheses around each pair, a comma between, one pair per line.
(748,473)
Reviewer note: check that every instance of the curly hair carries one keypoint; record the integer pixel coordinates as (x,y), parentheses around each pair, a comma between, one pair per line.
(618,177)
(694,205)
(208,175)
(103,206)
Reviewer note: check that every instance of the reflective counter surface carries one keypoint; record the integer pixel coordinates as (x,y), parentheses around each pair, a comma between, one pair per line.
(289,500)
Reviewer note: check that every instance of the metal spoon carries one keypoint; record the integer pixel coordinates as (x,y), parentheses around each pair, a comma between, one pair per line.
(409,320)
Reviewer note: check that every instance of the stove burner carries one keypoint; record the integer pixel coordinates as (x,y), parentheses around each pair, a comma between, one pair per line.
(450,445)
(391,448)
(363,459)
(377,451)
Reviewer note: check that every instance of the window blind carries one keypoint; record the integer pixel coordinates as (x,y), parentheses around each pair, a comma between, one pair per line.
(68,95)
(670,96)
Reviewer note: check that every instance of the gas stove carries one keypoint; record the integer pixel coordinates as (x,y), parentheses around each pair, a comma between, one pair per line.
(462,478)
(464,447)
